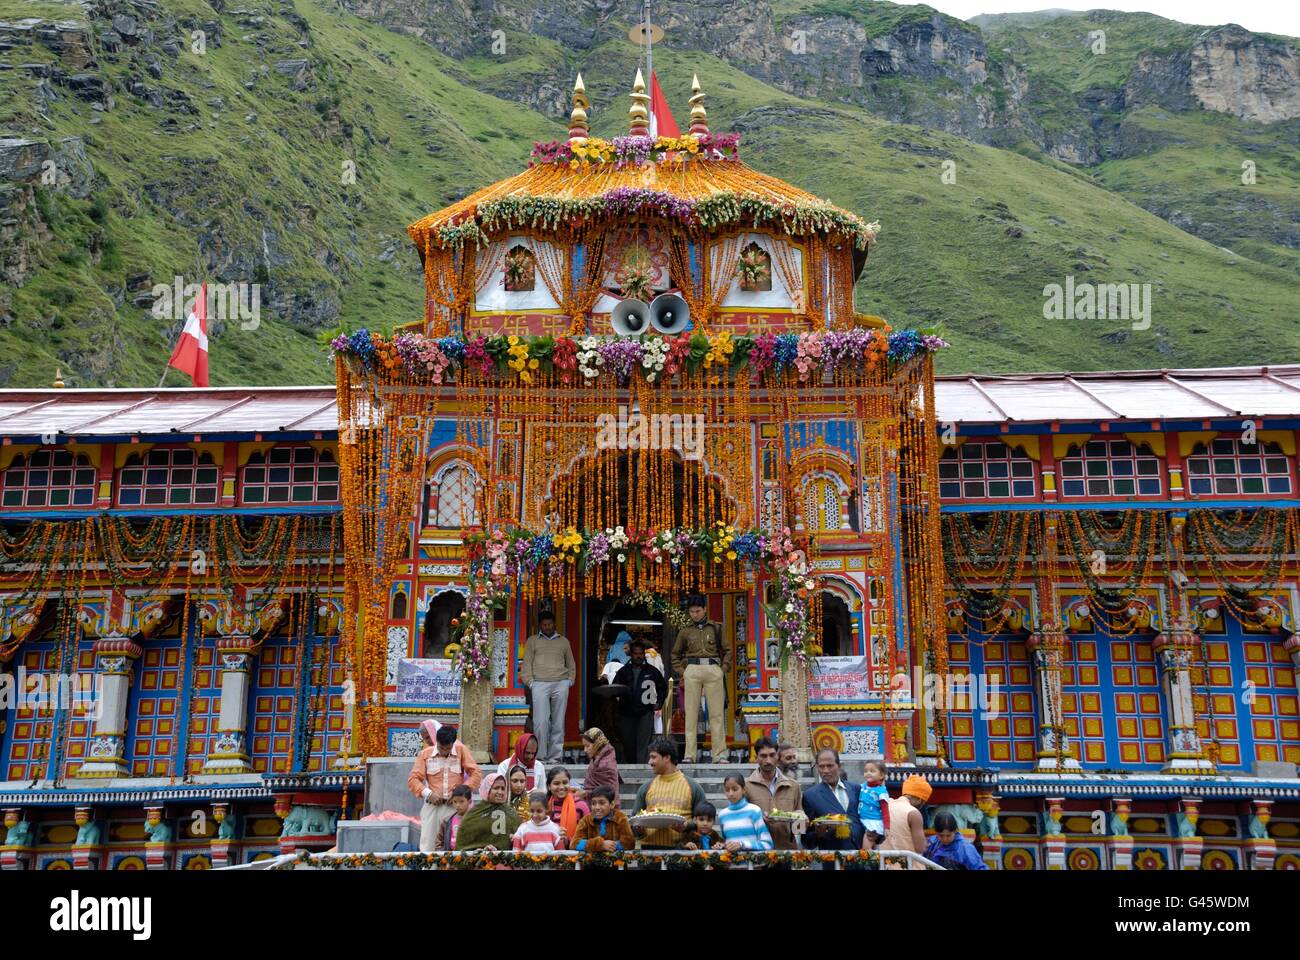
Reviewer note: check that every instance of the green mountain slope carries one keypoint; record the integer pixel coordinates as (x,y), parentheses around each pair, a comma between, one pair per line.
(232,165)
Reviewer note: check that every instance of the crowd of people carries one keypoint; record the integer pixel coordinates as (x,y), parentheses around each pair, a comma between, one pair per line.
(524,805)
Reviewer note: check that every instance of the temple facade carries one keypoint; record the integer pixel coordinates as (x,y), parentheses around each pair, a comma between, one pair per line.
(1069,599)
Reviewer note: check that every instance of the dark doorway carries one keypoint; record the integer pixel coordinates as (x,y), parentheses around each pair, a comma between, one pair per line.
(437,623)
(837,627)
(606,618)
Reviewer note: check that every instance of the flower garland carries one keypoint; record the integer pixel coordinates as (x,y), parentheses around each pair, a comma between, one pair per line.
(506,556)
(635,151)
(806,356)
(712,212)
(518,860)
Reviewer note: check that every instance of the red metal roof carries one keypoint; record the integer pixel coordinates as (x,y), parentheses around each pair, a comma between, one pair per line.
(1135,395)
(91,413)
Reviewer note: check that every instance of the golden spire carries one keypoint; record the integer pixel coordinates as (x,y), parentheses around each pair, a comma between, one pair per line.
(638,116)
(578,129)
(699,119)
(58,378)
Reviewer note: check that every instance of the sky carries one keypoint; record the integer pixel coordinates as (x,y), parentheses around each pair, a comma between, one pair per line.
(1264,16)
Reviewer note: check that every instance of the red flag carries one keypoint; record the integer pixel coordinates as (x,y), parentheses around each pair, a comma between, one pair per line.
(662,123)
(191,353)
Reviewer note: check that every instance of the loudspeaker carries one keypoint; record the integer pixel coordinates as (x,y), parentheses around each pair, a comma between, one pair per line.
(669,313)
(630,318)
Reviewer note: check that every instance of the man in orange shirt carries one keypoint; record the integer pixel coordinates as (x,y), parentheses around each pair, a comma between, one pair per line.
(439,768)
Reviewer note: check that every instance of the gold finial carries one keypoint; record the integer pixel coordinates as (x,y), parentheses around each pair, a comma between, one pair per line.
(58,378)
(699,119)
(638,115)
(578,128)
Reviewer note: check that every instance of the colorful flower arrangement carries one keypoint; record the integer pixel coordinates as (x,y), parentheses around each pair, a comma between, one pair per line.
(810,356)
(715,211)
(635,151)
(504,556)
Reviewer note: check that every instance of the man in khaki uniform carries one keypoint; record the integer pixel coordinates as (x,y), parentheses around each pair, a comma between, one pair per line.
(702,658)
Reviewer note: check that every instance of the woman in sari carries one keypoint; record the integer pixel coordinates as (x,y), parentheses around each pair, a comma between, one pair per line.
(518,792)
(491,822)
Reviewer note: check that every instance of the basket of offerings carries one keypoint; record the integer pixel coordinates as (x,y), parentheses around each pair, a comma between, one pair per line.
(836,822)
(655,819)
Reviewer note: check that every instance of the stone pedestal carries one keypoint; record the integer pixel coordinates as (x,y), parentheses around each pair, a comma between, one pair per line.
(386,786)
(115,658)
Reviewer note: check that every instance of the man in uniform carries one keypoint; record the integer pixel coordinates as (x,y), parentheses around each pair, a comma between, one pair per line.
(702,658)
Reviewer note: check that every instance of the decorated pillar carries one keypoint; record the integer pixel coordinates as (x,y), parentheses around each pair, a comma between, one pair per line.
(1047,648)
(158,851)
(229,754)
(220,843)
(796,720)
(987,829)
(1120,841)
(1292,646)
(115,657)
(477,713)
(16,848)
(1175,649)
(1261,851)
(1053,834)
(88,847)
(1188,846)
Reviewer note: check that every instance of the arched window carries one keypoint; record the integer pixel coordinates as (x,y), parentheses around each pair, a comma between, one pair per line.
(1228,466)
(823,504)
(49,478)
(520,269)
(168,476)
(453,497)
(986,470)
(754,269)
(399,605)
(290,473)
(1110,468)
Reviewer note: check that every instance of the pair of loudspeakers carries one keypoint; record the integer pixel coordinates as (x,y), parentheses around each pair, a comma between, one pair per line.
(666,313)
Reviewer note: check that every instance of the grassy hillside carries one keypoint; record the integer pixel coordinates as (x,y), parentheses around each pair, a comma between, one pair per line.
(250,187)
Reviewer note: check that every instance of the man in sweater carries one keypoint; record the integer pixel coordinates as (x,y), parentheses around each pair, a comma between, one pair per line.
(771,790)
(669,791)
(548,672)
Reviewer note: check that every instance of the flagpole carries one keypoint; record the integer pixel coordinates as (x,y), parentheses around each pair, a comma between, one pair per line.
(649,62)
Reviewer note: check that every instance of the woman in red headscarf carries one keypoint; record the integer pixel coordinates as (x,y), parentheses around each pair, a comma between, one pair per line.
(525,755)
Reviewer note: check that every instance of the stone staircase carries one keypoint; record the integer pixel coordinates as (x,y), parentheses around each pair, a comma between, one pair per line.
(386,790)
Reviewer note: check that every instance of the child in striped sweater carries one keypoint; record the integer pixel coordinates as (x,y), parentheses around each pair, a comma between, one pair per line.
(742,822)
(539,833)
